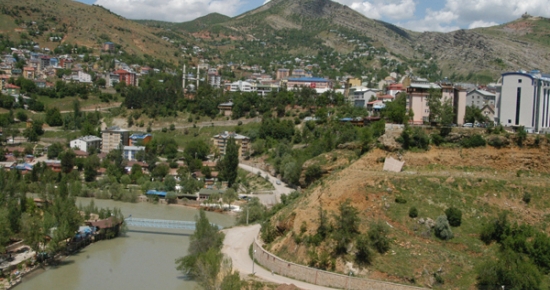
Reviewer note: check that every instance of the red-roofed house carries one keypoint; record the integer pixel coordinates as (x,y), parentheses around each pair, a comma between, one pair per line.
(12,89)
(29,72)
(385,98)
(394,89)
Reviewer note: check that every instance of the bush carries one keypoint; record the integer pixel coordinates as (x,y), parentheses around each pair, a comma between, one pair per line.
(497,141)
(454,216)
(313,173)
(437,139)
(401,200)
(473,141)
(164,130)
(443,228)
(413,212)
(526,198)
(378,236)
(363,255)
(172,127)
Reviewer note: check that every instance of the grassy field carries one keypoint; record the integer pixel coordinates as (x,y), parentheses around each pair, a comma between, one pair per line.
(66,104)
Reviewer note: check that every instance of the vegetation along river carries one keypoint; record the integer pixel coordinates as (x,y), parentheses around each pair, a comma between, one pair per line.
(142,259)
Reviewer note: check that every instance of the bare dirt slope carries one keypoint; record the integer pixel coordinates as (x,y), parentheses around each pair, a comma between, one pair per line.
(481,182)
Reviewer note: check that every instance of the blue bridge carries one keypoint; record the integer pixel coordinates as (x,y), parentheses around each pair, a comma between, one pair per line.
(161,224)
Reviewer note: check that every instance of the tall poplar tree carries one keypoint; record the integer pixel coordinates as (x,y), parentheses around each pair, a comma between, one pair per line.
(230,162)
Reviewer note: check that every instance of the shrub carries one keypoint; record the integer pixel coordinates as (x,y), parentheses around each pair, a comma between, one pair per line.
(164,130)
(497,141)
(443,228)
(437,139)
(313,173)
(527,198)
(522,136)
(378,236)
(413,212)
(401,200)
(363,255)
(239,123)
(454,216)
(475,140)
(172,127)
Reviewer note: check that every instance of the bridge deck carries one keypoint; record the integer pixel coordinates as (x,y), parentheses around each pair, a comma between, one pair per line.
(161,224)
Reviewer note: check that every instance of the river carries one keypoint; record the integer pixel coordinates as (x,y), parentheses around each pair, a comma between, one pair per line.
(139,260)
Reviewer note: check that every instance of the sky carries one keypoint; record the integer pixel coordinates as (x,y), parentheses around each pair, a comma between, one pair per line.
(417,15)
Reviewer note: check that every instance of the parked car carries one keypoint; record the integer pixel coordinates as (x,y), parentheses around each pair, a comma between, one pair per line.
(278,182)
(468,125)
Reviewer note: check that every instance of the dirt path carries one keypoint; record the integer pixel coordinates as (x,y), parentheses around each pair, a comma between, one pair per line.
(236,244)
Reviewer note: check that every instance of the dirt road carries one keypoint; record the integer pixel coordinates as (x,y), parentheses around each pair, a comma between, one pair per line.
(236,244)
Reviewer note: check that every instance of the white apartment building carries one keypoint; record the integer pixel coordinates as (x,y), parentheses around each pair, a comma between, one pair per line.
(524,100)
(129,152)
(86,143)
(480,98)
(242,86)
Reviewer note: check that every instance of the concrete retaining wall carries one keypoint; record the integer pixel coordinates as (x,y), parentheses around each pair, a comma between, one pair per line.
(319,277)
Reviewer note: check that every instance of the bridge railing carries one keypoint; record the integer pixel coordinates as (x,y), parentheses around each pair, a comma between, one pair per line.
(161,224)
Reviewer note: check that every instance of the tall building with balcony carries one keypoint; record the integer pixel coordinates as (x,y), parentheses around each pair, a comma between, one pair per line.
(114,138)
(220,142)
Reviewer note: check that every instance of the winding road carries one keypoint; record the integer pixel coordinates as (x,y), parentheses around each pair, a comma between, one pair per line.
(281,188)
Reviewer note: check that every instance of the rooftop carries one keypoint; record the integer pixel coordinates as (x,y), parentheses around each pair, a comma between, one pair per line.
(307,80)
(227,135)
(140,136)
(134,148)
(89,138)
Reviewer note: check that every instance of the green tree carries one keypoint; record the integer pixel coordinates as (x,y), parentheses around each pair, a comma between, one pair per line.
(521,136)
(363,254)
(90,168)
(435,105)
(454,215)
(230,162)
(313,173)
(443,228)
(512,270)
(347,226)
(67,160)
(5,232)
(204,253)
(54,150)
(378,236)
(396,111)
(53,117)
(229,196)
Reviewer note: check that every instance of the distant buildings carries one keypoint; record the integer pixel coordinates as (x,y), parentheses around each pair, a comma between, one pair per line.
(525,100)
(86,143)
(282,73)
(108,47)
(220,142)
(314,83)
(114,138)
(226,109)
(214,79)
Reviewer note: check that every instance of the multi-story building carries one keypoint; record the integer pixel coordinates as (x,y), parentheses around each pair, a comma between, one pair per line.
(114,138)
(241,86)
(129,152)
(220,142)
(282,73)
(127,77)
(480,98)
(214,79)
(417,101)
(361,96)
(226,109)
(524,100)
(109,46)
(29,72)
(86,143)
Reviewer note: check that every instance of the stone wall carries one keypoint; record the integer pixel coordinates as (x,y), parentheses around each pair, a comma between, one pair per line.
(319,277)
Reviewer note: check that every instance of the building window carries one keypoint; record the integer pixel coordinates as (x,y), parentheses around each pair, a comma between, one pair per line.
(518,104)
(519,81)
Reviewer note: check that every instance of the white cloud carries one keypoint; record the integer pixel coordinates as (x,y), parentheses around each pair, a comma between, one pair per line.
(170,10)
(458,14)
(481,23)
(379,9)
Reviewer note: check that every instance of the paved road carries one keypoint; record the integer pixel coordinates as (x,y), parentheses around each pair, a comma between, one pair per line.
(236,244)
(269,199)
